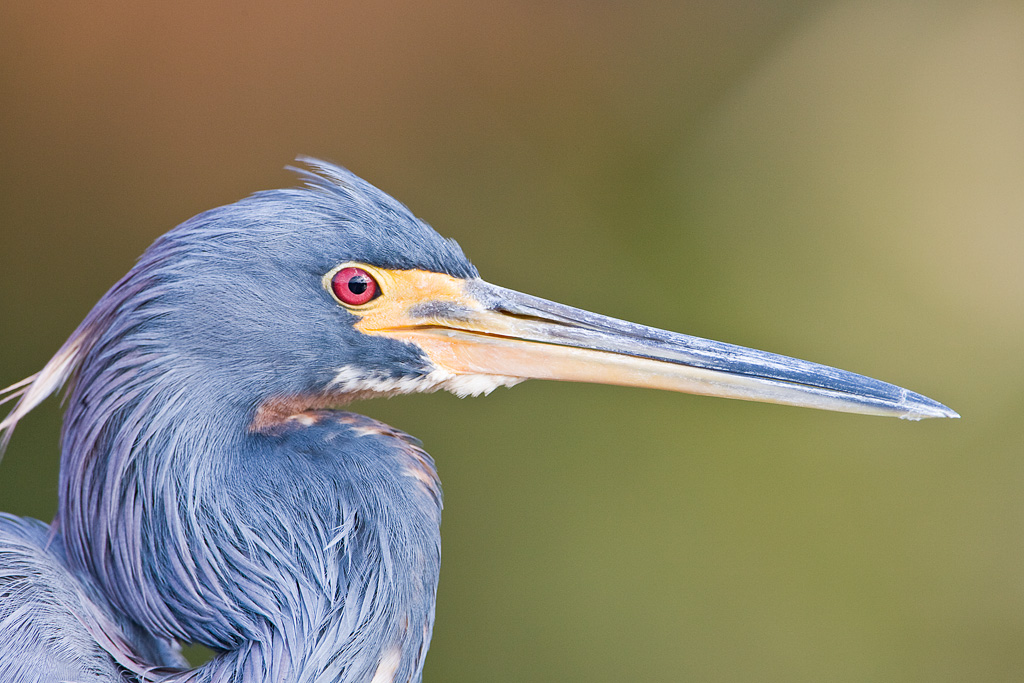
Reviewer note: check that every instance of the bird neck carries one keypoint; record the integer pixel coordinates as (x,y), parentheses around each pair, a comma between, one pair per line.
(307,550)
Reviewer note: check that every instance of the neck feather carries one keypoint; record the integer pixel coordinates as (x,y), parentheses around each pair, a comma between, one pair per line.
(306,550)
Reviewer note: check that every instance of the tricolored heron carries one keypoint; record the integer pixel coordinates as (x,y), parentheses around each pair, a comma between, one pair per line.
(211,490)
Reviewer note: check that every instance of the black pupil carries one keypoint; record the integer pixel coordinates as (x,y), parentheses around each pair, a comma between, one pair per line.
(358,284)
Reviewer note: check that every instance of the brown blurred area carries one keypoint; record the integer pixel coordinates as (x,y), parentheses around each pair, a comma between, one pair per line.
(840,181)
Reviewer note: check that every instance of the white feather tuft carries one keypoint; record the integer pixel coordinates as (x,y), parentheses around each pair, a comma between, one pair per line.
(35,389)
(475,385)
(350,379)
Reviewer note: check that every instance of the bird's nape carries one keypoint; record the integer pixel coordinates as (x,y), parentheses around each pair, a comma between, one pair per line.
(211,491)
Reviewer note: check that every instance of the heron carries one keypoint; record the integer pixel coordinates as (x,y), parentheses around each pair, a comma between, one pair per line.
(213,489)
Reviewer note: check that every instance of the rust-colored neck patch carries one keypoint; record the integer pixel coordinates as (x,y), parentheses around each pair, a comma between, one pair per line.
(276,413)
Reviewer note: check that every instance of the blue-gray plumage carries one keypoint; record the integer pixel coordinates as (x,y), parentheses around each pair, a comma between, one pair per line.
(212,492)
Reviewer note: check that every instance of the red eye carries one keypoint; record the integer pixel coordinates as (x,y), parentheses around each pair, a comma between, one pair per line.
(354,286)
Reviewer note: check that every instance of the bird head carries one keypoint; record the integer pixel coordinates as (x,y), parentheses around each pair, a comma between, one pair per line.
(309,297)
(262,302)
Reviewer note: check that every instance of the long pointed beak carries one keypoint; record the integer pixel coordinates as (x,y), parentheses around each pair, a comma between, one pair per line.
(474,329)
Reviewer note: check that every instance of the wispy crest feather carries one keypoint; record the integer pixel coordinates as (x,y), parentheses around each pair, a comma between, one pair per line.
(36,388)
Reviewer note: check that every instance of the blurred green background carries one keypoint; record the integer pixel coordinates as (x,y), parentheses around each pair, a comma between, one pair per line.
(840,181)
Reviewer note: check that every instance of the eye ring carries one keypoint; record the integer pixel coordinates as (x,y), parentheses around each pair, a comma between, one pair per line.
(354,286)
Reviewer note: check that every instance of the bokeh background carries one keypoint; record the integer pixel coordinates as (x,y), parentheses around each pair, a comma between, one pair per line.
(837,180)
